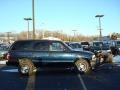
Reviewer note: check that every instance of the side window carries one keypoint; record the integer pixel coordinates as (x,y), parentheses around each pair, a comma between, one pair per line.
(41,46)
(22,46)
(57,46)
(95,44)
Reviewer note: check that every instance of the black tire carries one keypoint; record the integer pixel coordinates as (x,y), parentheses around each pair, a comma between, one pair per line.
(26,67)
(83,66)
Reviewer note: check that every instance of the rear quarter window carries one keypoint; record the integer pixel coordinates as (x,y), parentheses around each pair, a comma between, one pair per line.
(21,45)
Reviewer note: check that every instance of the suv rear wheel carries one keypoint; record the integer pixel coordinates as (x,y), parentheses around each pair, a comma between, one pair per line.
(83,66)
(26,67)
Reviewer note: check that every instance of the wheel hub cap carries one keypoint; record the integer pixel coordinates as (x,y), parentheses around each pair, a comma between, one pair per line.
(24,69)
(81,67)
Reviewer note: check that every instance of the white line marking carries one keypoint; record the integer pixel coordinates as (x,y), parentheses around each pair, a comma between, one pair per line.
(31,83)
(82,82)
(3,62)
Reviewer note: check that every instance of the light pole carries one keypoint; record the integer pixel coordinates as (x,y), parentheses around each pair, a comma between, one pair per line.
(74,33)
(100,30)
(8,36)
(33,17)
(43,32)
(28,19)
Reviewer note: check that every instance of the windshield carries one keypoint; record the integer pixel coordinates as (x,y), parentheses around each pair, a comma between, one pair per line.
(118,42)
(84,43)
(98,44)
(75,45)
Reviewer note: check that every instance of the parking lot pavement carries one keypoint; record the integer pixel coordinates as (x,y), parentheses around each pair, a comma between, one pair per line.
(102,78)
(31,83)
(58,81)
(44,80)
(11,80)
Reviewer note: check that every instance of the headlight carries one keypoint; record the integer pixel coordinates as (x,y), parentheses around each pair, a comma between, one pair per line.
(93,61)
(108,51)
(93,58)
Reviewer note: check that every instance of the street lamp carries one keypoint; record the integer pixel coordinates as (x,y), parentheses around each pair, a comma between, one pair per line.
(99,16)
(43,32)
(74,33)
(33,17)
(8,36)
(28,19)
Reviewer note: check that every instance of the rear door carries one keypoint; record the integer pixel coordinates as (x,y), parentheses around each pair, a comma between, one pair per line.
(41,51)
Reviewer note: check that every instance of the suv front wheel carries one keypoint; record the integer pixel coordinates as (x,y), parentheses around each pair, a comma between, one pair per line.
(83,66)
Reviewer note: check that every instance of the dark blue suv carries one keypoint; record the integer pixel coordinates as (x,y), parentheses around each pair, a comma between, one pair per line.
(30,55)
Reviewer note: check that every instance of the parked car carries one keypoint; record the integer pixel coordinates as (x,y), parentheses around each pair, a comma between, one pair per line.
(115,43)
(118,44)
(26,54)
(3,51)
(75,45)
(85,45)
(99,46)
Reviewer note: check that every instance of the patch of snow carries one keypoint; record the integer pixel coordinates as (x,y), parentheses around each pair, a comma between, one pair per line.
(3,62)
(116,59)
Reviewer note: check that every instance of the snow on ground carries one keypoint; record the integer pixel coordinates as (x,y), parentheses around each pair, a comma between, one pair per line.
(3,62)
(116,59)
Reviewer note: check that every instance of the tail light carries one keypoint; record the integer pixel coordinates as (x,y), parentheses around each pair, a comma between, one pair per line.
(8,56)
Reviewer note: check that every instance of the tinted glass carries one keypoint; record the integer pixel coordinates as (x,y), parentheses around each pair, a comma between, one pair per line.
(84,43)
(118,42)
(21,45)
(75,45)
(41,46)
(98,44)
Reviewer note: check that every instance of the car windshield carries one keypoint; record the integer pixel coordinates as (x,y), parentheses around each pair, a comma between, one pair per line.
(75,45)
(118,42)
(84,43)
(98,44)
(4,48)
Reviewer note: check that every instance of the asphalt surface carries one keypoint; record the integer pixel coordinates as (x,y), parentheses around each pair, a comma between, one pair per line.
(103,78)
